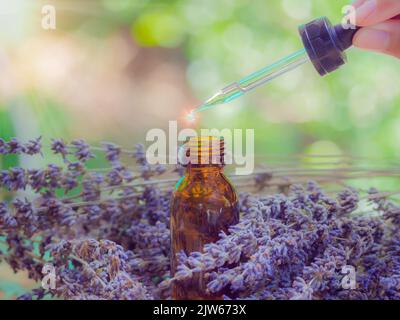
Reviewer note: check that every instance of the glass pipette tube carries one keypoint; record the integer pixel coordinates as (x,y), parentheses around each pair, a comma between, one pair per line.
(252,81)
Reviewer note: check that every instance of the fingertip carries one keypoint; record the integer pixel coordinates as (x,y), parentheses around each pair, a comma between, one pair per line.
(365,11)
(357,3)
(371,12)
(383,37)
(372,39)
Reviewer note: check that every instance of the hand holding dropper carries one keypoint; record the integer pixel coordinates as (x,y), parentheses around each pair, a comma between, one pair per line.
(325,46)
(380,32)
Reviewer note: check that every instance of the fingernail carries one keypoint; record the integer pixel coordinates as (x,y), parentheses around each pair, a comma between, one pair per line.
(366,10)
(372,39)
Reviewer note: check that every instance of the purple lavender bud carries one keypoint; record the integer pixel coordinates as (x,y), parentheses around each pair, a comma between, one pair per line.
(127,175)
(69,182)
(6,219)
(34,146)
(76,168)
(58,146)
(219,282)
(3,146)
(91,187)
(37,179)
(114,177)
(238,283)
(17,179)
(82,150)
(139,154)
(60,249)
(53,176)
(302,290)
(146,171)
(320,213)
(112,152)
(15,147)
(93,212)
(348,200)
(4,179)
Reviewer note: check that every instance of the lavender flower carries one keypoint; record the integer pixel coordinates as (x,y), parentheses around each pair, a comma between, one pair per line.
(58,146)
(15,147)
(7,220)
(82,150)
(112,153)
(33,146)
(107,234)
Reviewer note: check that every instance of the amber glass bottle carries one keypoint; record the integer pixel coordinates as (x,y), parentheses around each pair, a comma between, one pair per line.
(204,203)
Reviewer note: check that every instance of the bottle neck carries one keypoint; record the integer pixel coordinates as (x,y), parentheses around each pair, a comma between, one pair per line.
(204,169)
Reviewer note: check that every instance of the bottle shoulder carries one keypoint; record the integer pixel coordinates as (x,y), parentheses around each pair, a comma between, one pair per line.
(197,187)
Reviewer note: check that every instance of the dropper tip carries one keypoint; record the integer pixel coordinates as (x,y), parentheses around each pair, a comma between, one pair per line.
(190,116)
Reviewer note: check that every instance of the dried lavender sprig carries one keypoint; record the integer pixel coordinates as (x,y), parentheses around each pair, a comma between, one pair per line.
(285,246)
(292,249)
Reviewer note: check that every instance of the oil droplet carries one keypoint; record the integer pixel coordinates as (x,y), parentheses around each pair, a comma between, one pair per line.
(191,117)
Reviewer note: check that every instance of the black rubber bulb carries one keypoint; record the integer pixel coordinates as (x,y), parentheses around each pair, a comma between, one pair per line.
(345,36)
(326,44)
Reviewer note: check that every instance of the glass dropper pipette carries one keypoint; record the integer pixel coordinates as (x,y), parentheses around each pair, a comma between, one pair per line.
(324,46)
(254,80)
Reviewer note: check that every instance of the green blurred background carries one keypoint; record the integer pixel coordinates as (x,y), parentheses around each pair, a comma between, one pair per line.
(113,69)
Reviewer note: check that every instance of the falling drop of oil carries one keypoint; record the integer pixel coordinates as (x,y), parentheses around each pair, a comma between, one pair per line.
(191,117)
